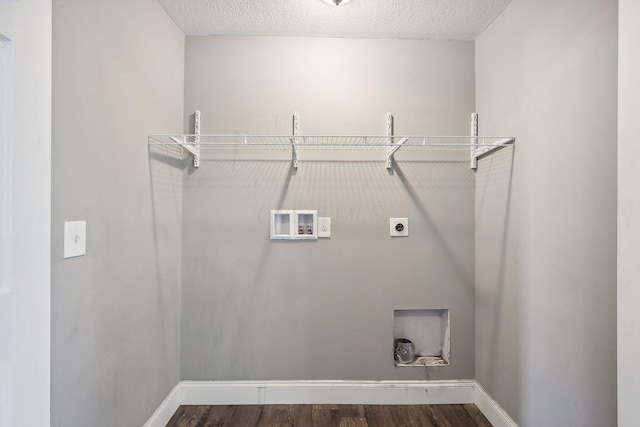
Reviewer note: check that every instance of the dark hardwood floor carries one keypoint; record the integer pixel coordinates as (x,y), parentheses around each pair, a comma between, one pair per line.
(330,415)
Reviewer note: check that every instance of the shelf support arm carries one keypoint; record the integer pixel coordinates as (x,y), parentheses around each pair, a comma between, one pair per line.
(294,141)
(391,151)
(193,148)
(478,150)
(485,150)
(474,140)
(392,147)
(294,153)
(184,144)
(196,125)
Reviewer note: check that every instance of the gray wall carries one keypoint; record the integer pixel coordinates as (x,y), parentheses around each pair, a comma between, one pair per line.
(260,309)
(25,214)
(118,76)
(628,213)
(546,213)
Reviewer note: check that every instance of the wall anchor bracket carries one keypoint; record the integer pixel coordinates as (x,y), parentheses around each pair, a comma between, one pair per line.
(474,140)
(480,150)
(392,148)
(294,140)
(190,146)
(191,143)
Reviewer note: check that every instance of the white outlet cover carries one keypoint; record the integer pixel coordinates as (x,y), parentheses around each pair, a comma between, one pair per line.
(398,227)
(75,238)
(324,227)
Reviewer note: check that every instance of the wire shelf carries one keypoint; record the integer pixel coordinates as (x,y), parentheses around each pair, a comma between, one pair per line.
(330,142)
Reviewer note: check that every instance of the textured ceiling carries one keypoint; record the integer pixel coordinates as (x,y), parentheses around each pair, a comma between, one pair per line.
(413,19)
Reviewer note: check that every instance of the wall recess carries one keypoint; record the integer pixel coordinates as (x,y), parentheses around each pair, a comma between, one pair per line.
(294,224)
(428,330)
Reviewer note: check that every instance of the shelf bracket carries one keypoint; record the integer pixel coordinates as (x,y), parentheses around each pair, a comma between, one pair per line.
(392,150)
(474,140)
(196,124)
(485,150)
(390,140)
(191,147)
(478,150)
(294,141)
(392,147)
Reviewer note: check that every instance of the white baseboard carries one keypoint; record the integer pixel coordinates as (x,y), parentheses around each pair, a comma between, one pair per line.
(329,392)
(166,409)
(496,415)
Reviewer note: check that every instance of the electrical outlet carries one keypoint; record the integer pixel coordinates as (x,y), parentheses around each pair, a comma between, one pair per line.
(324,227)
(398,227)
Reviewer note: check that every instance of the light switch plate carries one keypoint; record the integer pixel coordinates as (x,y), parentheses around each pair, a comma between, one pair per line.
(324,227)
(75,238)
(398,227)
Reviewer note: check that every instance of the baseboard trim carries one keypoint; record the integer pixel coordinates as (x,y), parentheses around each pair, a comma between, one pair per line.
(329,392)
(166,409)
(496,415)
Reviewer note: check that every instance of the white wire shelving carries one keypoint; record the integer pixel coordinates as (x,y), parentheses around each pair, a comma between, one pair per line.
(478,146)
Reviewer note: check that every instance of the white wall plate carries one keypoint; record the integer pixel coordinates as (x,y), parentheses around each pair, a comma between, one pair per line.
(398,227)
(75,238)
(324,227)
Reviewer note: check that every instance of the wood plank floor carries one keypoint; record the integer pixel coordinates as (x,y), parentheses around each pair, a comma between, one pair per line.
(329,415)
